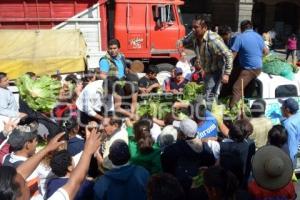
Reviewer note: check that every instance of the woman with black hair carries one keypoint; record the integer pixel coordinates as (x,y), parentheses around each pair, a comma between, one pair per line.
(143,150)
(237,150)
(10,184)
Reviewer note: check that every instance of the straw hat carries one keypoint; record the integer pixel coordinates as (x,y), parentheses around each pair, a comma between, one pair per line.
(272,168)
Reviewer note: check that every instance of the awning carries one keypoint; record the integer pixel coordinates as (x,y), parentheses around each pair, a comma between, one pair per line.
(41,52)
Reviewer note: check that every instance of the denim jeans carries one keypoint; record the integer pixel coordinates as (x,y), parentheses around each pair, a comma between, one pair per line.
(212,83)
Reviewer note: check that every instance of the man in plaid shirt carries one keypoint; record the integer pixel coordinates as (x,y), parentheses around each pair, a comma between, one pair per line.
(215,57)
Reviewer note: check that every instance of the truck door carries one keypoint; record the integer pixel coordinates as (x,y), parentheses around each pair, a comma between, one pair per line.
(131,29)
(165,27)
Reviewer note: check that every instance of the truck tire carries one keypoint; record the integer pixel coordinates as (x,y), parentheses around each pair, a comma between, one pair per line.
(165,67)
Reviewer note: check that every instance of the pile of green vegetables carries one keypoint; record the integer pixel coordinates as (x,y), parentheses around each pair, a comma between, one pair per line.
(40,94)
(277,66)
(230,114)
(155,108)
(192,90)
(159,108)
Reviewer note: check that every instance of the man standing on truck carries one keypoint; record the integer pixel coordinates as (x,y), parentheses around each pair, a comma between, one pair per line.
(250,47)
(113,62)
(215,57)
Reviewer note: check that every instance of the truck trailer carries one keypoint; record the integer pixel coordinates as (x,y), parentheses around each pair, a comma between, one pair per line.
(148,30)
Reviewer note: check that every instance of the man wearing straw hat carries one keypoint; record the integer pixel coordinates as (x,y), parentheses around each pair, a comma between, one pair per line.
(272,171)
(250,47)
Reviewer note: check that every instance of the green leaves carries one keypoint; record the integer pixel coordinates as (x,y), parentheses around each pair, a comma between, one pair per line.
(235,112)
(192,90)
(154,108)
(41,94)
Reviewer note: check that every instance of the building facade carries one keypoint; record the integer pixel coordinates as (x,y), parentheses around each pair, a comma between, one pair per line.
(283,16)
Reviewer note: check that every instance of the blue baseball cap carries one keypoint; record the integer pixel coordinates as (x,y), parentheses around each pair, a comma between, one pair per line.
(178,70)
(291,104)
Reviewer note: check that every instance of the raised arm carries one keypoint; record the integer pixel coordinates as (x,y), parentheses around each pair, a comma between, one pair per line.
(79,173)
(27,167)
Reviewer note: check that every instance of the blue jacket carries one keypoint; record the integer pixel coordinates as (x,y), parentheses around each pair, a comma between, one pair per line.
(292,125)
(85,191)
(126,183)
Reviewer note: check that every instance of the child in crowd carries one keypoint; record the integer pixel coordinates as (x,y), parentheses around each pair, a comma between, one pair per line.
(177,84)
(149,83)
(185,65)
(198,73)
(62,166)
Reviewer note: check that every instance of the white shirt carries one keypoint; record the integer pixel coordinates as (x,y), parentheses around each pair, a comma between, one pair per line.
(9,107)
(120,135)
(215,148)
(92,98)
(45,174)
(155,131)
(33,178)
(60,194)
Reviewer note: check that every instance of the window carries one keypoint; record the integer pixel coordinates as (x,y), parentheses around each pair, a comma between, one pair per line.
(286,91)
(163,13)
(169,13)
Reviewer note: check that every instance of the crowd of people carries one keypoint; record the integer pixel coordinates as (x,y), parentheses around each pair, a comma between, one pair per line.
(97,147)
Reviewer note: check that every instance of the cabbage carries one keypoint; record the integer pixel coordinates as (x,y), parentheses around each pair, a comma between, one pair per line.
(192,90)
(154,108)
(41,94)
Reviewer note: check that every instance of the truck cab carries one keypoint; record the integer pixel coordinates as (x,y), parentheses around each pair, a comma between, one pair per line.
(149,29)
(271,88)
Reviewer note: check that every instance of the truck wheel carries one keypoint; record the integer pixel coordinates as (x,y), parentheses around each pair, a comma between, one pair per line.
(165,67)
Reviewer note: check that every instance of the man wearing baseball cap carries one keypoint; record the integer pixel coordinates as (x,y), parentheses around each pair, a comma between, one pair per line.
(289,110)
(184,158)
(177,84)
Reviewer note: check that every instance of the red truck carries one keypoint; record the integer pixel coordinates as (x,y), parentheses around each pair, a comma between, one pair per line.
(148,30)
